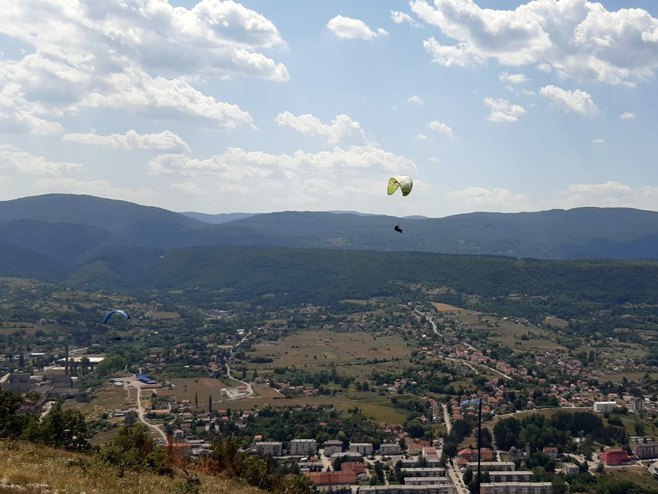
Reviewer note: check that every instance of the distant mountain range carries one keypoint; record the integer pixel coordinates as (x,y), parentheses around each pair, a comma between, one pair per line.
(58,233)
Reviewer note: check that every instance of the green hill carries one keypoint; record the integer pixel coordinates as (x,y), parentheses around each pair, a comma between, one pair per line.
(56,236)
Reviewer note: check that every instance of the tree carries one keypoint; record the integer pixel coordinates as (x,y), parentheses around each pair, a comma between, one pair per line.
(134,449)
(61,429)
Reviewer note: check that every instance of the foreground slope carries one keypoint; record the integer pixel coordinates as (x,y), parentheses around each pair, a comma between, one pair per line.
(36,469)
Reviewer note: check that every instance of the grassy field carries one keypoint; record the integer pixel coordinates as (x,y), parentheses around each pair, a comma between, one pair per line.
(32,469)
(502,330)
(617,377)
(200,388)
(374,406)
(105,400)
(636,474)
(319,349)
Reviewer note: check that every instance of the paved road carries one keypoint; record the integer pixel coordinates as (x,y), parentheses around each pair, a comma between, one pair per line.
(461,361)
(456,478)
(134,383)
(429,318)
(453,472)
(446,417)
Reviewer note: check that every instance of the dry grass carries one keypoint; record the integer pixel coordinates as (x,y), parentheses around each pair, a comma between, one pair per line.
(320,349)
(31,469)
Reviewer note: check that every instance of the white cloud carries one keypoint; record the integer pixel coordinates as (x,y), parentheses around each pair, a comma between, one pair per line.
(349,28)
(451,55)
(609,194)
(598,141)
(162,141)
(421,137)
(479,198)
(300,179)
(576,101)
(627,116)
(136,56)
(165,98)
(238,164)
(342,128)
(575,38)
(503,111)
(15,160)
(401,17)
(441,128)
(512,78)
(187,188)
(416,100)
(19,116)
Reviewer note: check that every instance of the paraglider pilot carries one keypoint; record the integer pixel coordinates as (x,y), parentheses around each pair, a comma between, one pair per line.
(398,229)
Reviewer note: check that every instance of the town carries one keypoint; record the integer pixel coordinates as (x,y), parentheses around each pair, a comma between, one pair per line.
(382,397)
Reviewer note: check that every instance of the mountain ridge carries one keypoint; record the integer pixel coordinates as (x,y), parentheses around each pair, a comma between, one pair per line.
(73,230)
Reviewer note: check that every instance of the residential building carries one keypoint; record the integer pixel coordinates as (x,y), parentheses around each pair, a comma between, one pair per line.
(511,476)
(517,488)
(471,454)
(364,448)
(614,456)
(644,447)
(271,448)
(407,489)
(425,480)
(333,479)
(332,446)
(390,449)
(303,447)
(424,472)
(492,466)
(636,405)
(604,406)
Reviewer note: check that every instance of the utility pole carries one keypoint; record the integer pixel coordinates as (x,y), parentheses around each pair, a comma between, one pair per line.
(479,481)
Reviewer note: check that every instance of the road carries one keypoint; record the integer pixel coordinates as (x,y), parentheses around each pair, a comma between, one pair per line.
(250,390)
(429,318)
(461,361)
(456,478)
(446,417)
(452,470)
(134,383)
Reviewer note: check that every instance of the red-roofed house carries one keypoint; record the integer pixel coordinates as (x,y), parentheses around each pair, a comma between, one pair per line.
(471,454)
(332,478)
(614,456)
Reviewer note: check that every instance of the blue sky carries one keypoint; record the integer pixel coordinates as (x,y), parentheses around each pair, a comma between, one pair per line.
(261,106)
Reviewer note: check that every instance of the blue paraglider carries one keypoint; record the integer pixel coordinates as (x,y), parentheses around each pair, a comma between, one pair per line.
(114,312)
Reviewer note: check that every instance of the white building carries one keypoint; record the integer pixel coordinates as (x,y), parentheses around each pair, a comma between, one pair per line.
(390,449)
(273,448)
(303,447)
(332,446)
(604,406)
(407,489)
(364,448)
(517,488)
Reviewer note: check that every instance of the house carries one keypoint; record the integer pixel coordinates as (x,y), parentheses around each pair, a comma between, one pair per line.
(471,454)
(614,456)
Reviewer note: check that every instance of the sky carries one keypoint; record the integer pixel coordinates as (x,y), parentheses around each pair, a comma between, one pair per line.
(308,105)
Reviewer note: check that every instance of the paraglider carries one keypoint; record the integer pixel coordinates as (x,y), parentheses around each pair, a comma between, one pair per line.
(404,183)
(113,312)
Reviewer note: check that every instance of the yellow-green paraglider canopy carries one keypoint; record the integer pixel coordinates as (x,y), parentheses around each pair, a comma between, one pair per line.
(405,184)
